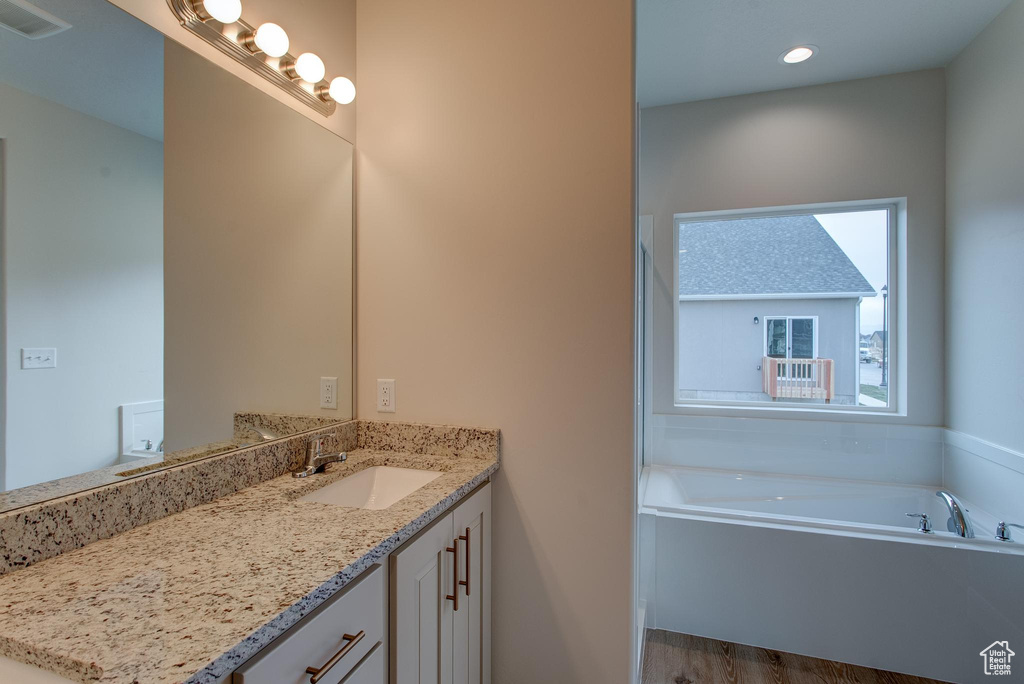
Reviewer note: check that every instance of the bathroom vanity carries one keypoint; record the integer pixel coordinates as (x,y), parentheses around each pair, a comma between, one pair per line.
(265,585)
(431,630)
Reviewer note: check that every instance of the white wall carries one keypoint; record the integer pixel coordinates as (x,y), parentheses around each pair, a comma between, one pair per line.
(985,235)
(83,264)
(258,245)
(326,27)
(494,264)
(867,139)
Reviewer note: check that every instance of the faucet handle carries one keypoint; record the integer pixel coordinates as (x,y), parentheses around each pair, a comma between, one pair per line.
(315,445)
(1003,530)
(926,524)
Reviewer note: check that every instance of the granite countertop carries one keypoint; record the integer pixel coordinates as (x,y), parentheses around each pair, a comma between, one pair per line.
(191,596)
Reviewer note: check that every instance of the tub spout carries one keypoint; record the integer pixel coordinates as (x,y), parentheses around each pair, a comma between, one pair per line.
(959,523)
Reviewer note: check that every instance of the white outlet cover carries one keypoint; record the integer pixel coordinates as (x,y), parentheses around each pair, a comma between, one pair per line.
(329,393)
(38,357)
(385,396)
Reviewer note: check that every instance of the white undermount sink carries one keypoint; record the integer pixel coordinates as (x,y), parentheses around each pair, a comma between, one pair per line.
(375,488)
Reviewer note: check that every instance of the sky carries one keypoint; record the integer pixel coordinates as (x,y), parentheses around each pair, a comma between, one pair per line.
(863,235)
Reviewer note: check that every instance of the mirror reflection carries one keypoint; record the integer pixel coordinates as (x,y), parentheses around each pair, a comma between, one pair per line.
(172,237)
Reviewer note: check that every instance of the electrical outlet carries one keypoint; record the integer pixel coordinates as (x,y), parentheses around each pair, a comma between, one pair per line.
(329,393)
(45,357)
(385,396)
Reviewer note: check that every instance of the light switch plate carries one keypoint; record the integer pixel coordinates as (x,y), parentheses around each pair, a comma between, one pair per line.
(385,396)
(38,357)
(329,393)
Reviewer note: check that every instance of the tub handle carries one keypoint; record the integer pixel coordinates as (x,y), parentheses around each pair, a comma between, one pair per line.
(1003,530)
(926,524)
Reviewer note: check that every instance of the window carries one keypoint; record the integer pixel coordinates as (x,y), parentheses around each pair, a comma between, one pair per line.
(791,338)
(786,306)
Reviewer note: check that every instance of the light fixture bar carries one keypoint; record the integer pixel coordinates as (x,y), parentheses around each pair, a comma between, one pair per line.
(226,38)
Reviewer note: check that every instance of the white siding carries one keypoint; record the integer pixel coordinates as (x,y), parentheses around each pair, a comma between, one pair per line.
(720,346)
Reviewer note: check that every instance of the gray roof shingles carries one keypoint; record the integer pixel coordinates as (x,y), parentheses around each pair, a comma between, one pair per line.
(764,256)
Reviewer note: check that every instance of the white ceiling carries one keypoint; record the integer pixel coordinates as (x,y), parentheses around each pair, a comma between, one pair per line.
(108,64)
(691,50)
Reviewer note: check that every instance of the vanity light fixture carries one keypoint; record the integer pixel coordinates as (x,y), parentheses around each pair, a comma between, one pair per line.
(224,11)
(264,50)
(800,53)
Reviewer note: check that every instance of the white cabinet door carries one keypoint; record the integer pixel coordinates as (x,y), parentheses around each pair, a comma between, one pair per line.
(471,659)
(422,576)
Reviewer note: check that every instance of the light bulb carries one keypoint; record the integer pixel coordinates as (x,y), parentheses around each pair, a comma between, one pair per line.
(224,11)
(271,40)
(310,68)
(342,90)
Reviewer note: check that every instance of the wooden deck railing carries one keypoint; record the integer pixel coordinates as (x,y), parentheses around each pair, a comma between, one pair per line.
(799,378)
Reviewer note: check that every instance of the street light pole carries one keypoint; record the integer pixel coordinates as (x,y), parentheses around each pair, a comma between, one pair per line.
(885,336)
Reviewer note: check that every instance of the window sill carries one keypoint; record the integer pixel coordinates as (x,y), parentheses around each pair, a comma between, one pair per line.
(787,410)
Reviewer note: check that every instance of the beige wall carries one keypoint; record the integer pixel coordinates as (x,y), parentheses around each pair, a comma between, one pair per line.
(325,27)
(494,264)
(258,255)
(81,206)
(856,140)
(985,235)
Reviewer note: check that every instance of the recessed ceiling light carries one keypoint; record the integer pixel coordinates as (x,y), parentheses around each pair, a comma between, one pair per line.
(800,53)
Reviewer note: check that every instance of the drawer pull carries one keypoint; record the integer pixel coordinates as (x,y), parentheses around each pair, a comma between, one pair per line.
(319,673)
(465,582)
(454,550)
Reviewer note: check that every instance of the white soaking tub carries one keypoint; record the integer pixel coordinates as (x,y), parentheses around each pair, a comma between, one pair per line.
(831,568)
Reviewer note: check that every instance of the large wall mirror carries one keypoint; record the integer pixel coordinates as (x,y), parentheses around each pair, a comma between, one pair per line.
(176,258)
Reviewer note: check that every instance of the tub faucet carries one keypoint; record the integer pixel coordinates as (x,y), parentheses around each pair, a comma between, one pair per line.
(959,523)
(316,459)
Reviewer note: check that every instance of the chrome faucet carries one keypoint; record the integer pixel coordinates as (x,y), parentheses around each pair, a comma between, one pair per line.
(959,523)
(265,435)
(316,459)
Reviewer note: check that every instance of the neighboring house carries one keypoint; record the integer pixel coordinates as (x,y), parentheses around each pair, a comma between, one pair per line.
(756,291)
(878,344)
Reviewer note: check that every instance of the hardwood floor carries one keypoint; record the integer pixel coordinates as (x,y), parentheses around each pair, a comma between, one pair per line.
(671,658)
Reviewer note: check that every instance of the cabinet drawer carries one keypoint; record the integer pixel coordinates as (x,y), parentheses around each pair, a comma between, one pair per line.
(371,670)
(318,637)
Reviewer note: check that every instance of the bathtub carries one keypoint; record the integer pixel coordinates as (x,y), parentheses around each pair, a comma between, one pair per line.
(829,568)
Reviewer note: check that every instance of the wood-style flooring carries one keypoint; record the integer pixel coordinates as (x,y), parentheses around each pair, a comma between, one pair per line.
(671,658)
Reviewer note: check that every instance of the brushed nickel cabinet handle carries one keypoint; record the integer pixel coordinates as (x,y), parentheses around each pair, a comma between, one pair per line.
(454,550)
(465,582)
(351,640)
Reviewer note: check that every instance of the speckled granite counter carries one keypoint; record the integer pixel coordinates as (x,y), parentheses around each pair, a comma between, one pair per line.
(193,595)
